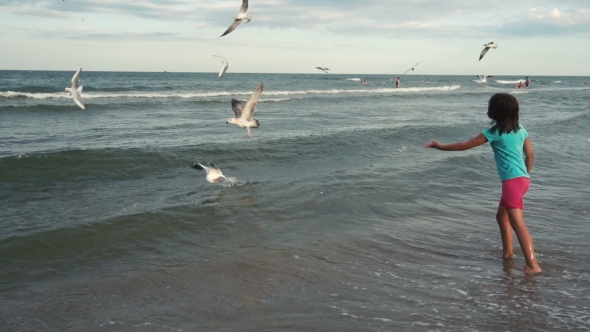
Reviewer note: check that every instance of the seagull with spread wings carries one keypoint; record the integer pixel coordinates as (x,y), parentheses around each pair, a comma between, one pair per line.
(214,174)
(487,48)
(242,15)
(324,69)
(224,67)
(75,90)
(244,113)
(412,69)
(484,79)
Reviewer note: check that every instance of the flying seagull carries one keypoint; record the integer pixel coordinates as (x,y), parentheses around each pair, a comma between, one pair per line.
(486,49)
(75,90)
(324,69)
(225,65)
(484,79)
(214,174)
(244,114)
(242,15)
(412,69)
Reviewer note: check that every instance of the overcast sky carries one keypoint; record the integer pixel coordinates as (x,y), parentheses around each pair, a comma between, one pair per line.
(535,37)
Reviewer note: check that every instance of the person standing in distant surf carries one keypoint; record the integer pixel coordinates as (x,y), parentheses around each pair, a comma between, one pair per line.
(398,82)
(508,140)
(527,82)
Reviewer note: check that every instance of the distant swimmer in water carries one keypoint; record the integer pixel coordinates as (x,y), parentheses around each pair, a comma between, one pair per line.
(398,82)
(527,82)
(519,84)
(363,82)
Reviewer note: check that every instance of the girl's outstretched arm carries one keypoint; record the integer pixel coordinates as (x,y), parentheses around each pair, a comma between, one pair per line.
(460,146)
(529,155)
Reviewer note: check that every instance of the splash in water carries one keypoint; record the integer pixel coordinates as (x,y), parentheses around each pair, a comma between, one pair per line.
(230,181)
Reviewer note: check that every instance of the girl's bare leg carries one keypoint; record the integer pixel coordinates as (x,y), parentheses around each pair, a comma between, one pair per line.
(516,217)
(505,232)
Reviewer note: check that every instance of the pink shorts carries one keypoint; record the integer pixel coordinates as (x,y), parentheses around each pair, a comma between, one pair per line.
(513,191)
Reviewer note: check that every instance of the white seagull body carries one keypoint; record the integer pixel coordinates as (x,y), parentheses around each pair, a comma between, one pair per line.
(325,70)
(486,49)
(242,15)
(214,174)
(224,67)
(75,90)
(244,114)
(412,69)
(484,79)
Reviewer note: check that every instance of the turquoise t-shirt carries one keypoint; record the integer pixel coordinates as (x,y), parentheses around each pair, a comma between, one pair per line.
(508,152)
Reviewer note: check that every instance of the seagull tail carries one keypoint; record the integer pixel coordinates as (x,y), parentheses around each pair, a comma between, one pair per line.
(257,124)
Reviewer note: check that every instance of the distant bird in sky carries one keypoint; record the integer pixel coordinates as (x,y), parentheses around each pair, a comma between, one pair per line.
(244,114)
(224,67)
(75,90)
(242,15)
(486,49)
(214,174)
(324,69)
(412,69)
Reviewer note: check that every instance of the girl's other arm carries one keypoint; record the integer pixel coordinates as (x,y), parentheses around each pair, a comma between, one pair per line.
(529,155)
(460,146)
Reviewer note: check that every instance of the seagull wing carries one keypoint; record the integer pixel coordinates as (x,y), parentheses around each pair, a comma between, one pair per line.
(233,26)
(200,166)
(483,52)
(244,7)
(78,101)
(237,107)
(251,104)
(75,78)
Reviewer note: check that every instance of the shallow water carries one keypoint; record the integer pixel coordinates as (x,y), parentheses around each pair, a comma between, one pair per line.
(340,221)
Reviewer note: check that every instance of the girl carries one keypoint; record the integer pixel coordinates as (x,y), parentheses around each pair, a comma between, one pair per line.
(508,140)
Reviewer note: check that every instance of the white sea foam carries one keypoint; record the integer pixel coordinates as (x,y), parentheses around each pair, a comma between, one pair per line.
(353,79)
(230,182)
(197,95)
(510,82)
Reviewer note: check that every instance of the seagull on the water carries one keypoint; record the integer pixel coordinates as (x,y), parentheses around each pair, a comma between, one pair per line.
(412,69)
(244,114)
(75,90)
(214,174)
(242,15)
(487,48)
(324,69)
(225,65)
(484,79)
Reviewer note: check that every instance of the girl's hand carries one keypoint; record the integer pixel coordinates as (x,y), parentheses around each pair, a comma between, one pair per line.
(433,144)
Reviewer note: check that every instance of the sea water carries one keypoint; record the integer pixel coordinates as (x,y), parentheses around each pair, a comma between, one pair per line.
(341,220)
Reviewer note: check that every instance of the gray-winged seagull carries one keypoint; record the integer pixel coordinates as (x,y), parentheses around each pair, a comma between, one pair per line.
(244,114)
(242,15)
(214,174)
(75,90)
(324,69)
(224,67)
(412,69)
(484,79)
(487,48)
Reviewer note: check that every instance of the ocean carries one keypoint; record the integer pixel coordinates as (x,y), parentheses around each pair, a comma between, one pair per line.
(340,220)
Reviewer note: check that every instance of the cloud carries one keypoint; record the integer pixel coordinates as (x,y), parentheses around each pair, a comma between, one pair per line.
(387,18)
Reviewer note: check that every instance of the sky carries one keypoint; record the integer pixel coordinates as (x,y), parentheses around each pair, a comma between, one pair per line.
(535,37)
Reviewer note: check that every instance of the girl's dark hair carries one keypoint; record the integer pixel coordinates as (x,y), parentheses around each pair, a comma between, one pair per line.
(503,110)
